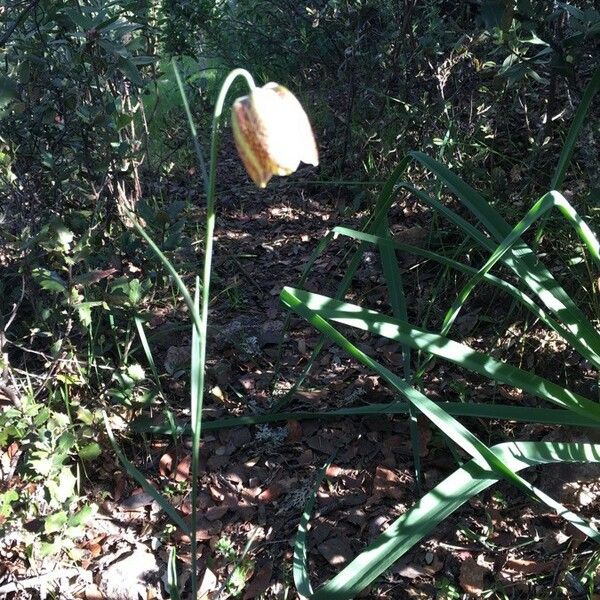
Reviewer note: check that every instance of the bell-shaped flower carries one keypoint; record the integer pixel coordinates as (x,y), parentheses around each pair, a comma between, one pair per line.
(272,133)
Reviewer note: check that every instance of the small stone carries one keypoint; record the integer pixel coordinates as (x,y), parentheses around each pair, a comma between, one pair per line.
(128,579)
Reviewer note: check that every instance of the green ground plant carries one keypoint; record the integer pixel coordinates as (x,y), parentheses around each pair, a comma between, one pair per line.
(557,311)
(87,108)
(554,308)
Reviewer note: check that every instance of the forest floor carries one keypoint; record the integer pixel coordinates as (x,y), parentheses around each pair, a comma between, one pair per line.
(256,479)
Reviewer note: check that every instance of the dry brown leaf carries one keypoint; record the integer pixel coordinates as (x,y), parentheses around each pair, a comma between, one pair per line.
(165,465)
(209,584)
(12,450)
(271,493)
(333,472)
(336,551)
(387,484)
(260,581)
(529,567)
(182,472)
(294,432)
(206,531)
(472,576)
(216,493)
(215,512)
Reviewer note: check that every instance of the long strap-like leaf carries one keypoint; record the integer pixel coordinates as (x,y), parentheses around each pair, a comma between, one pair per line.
(510,289)
(393,279)
(432,343)
(537,211)
(502,412)
(374,224)
(578,120)
(446,423)
(438,504)
(521,258)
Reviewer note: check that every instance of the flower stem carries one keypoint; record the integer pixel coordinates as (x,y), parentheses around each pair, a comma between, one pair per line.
(208,250)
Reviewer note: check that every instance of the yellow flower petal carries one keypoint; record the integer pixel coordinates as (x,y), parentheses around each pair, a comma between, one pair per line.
(298,124)
(272,133)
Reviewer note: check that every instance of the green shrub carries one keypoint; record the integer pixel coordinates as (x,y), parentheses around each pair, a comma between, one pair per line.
(70,80)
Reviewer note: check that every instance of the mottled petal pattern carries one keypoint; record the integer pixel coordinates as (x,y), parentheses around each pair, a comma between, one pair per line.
(272,133)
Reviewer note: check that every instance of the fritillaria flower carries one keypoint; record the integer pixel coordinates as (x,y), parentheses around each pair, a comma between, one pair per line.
(272,133)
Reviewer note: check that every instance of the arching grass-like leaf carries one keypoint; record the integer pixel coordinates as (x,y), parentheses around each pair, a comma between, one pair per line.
(309,304)
(578,120)
(520,258)
(146,485)
(300,569)
(501,412)
(538,210)
(507,287)
(445,422)
(438,504)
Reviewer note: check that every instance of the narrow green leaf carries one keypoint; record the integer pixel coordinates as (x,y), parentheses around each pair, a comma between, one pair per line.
(537,211)
(300,570)
(521,414)
(172,579)
(192,126)
(384,201)
(578,120)
(172,271)
(521,259)
(516,293)
(374,322)
(446,423)
(393,279)
(147,351)
(146,485)
(438,504)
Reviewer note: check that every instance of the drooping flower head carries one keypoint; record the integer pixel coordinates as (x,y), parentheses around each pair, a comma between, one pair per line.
(272,133)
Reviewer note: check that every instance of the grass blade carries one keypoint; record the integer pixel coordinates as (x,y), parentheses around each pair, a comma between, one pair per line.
(515,292)
(388,327)
(172,575)
(300,570)
(391,273)
(521,259)
(147,351)
(384,201)
(503,412)
(578,120)
(144,483)
(446,423)
(538,211)
(438,504)
(192,126)
(172,271)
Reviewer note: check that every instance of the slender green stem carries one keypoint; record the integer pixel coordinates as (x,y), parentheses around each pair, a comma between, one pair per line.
(188,112)
(208,250)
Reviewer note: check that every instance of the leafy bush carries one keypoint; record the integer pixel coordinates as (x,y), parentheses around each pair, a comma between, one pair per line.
(70,81)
